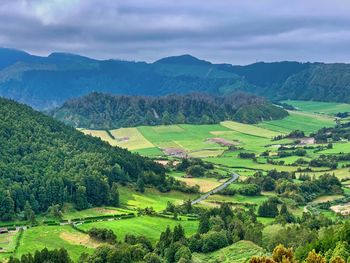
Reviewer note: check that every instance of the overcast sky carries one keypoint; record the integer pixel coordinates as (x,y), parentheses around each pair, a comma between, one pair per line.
(230,31)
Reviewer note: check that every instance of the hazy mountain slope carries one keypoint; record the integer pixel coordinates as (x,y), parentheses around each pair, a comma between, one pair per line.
(102,111)
(45,82)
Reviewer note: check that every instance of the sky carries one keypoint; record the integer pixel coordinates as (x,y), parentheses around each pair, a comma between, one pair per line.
(221,31)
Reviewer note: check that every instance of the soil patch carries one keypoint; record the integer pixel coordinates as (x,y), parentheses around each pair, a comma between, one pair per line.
(342,209)
(221,141)
(176,152)
(79,239)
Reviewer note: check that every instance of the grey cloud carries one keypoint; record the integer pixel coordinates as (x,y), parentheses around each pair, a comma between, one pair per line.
(239,31)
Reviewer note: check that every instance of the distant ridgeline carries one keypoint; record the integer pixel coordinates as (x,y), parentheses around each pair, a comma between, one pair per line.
(45,163)
(46,82)
(102,111)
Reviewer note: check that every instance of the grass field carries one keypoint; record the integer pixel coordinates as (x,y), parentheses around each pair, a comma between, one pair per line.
(205,184)
(250,129)
(129,138)
(70,213)
(319,107)
(52,237)
(185,136)
(237,253)
(101,134)
(149,226)
(306,122)
(151,198)
(8,241)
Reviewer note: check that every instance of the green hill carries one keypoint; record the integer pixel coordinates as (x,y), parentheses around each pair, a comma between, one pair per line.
(44,162)
(102,111)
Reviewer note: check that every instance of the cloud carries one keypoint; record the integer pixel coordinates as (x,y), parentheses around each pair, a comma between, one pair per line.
(238,32)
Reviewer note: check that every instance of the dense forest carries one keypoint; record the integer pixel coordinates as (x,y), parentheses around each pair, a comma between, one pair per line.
(46,82)
(102,111)
(44,163)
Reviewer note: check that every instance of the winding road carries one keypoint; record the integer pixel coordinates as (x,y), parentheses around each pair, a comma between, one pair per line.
(215,190)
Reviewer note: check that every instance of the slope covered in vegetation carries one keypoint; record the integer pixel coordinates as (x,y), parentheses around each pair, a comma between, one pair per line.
(101,111)
(44,162)
(45,82)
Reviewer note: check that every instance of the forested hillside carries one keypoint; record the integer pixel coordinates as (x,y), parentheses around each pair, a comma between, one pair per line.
(46,82)
(44,162)
(102,111)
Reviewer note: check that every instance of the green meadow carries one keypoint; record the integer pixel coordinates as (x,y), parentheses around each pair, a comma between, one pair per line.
(149,226)
(319,107)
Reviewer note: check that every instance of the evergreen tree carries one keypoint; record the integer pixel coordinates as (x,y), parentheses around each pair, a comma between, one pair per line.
(80,198)
(29,213)
(115,200)
(140,184)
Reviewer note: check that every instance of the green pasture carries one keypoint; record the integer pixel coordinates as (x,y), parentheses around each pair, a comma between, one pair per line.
(306,122)
(148,226)
(53,237)
(151,198)
(185,136)
(319,107)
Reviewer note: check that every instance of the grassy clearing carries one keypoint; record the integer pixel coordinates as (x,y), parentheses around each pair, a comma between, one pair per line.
(237,199)
(319,107)
(102,134)
(135,139)
(249,129)
(326,198)
(191,138)
(52,237)
(205,184)
(151,152)
(237,253)
(149,226)
(70,213)
(151,198)
(306,122)
(8,241)
(129,138)
(338,147)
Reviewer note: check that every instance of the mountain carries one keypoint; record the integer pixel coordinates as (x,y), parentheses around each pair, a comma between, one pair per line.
(45,162)
(102,111)
(47,82)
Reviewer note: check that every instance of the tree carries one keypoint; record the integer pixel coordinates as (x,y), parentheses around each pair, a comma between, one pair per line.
(179,233)
(214,240)
(204,224)
(268,209)
(152,258)
(80,198)
(140,184)
(115,195)
(283,255)
(183,253)
(29,213)
(7,206)
(314,257)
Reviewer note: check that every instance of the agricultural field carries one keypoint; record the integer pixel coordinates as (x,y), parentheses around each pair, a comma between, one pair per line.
(303,121)
(143,225)
(329,108)
(132,199)
(51,237)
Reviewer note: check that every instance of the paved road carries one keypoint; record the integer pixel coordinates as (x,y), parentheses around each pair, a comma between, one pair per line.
(215,190)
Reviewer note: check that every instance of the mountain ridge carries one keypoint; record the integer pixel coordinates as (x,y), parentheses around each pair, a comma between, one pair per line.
(47,82)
